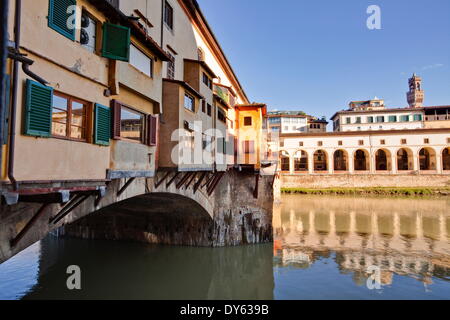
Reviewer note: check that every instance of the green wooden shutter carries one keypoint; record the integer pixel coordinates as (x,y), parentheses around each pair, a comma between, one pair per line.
(6,111)
(116,42)
(38,110)
(102,127)
(60,15)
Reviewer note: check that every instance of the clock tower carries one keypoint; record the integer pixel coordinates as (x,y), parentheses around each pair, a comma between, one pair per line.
(415,94)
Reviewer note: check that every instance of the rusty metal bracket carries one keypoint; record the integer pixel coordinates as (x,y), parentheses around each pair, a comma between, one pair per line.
(29,225)
(125,186)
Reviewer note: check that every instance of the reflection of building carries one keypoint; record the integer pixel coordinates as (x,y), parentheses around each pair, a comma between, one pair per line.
(364,232)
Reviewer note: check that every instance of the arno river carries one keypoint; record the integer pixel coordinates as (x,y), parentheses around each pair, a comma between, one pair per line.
(324,248)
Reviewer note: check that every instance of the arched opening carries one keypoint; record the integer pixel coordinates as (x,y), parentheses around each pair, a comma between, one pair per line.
(404,160)
(427,159)
(163,218)
(340,160)
(361,160)
(446,159)
(301,161)
(320,161)
(382,160)
(285,161)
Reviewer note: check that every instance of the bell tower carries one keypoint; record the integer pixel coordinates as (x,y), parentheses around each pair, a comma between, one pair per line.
(415,94)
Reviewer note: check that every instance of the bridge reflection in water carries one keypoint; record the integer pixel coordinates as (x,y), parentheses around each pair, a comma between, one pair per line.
(401,236)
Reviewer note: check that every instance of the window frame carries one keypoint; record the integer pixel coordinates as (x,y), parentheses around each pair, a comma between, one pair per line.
(168,8)
(87,118)
(147,56)
(143,128)
(192,98)
(246,123)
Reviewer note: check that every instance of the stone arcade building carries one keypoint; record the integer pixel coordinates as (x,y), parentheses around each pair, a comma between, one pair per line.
(373,146)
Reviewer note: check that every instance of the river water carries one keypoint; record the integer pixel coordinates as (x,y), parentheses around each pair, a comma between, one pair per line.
(326,247)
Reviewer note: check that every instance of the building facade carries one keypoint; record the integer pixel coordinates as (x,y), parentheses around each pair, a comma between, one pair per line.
(118,90)
(369,138)
(294,122)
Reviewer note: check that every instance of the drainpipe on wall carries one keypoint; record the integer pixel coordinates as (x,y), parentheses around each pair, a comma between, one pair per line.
(4,7)
(12,134)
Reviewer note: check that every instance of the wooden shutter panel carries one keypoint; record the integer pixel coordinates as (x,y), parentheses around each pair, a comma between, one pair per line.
(58,17)
(102,125)
(152,130)
(115,119)
(38,110)
(116,42)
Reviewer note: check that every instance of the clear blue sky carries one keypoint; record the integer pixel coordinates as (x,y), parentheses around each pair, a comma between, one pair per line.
(317,55)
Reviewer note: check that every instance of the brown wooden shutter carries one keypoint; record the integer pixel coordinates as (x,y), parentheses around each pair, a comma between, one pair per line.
(115,119)
(152,130)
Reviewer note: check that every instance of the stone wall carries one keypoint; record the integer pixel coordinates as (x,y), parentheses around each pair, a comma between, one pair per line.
(363,180)
(230,216)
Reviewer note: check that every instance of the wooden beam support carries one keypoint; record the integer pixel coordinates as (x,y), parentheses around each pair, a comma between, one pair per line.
(162,180)
(63,214)
(172,180)
(199,182)
(29,225)
(255,192)
(215,183)
(125,186)
(190,180)
(183,180)
(209,180)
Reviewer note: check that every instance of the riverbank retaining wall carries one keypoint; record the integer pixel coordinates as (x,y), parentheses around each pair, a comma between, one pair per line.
(323,181)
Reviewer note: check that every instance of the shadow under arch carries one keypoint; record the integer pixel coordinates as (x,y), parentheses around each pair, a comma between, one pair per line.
(160,218)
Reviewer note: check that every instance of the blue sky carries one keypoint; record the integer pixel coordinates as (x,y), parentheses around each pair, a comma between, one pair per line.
(318,55)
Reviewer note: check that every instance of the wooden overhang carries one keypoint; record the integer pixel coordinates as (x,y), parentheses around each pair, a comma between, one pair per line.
(204,65)
(251,106)
(186,86)
(116,16)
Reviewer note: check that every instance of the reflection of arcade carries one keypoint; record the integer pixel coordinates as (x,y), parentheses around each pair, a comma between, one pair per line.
(405,237)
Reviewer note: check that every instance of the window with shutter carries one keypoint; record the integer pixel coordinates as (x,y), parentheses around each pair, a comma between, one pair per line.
(102,125)
(115,119)
(152,130)
(61,17)
(6,111)
(116,42)
(38,110)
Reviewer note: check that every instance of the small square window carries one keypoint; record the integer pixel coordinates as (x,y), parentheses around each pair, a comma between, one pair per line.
(300,143)
(319,143)
(189,102)
(361,142)
(426,141)
(247,121)
(340,143)
(383,142)
(404,141)
(282,144)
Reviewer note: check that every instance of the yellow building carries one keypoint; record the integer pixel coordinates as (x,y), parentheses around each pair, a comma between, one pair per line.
(93,72)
